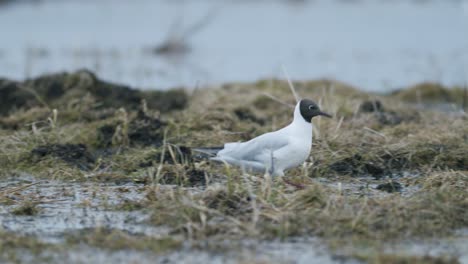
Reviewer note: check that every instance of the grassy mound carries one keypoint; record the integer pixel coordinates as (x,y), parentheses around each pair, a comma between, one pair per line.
(383,169)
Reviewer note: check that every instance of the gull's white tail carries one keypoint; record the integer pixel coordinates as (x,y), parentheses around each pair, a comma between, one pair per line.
(210,151)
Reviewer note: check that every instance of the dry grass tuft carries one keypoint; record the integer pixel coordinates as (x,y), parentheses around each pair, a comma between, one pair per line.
(113,239)
(27,208)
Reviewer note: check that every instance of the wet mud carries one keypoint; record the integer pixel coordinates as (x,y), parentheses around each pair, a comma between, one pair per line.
(73,154)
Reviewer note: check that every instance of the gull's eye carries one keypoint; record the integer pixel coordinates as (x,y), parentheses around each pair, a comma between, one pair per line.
(312,107)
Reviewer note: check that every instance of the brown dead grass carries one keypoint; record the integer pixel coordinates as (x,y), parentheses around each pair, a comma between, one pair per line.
(399,138)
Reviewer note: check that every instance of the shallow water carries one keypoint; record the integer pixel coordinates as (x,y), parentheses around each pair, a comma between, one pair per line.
(376,45)
(457,246)
(271,252)
(69,207)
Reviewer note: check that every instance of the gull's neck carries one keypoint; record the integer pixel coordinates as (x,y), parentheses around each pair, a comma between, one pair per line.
(299,125)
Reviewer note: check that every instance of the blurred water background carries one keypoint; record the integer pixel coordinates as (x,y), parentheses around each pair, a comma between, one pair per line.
(376,45)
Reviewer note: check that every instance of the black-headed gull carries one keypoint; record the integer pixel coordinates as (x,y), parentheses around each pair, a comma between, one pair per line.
(277,151)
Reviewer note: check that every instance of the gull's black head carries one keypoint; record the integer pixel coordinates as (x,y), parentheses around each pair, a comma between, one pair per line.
(309,109)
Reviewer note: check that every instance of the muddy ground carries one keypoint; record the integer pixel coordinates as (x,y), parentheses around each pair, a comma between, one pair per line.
(94,171)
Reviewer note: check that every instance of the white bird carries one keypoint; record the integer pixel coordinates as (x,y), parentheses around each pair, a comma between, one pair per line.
(277,151)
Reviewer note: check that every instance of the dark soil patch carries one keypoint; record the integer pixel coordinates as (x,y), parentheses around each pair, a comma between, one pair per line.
(390,187)
(385,117)
(28,208)
(245,114)
(356,166)
(146,130)
(13,97)
(371,106)
(395,163)
(192,177)
(73,154)
(389,118)
(59,90)
(105,134)
(142,130)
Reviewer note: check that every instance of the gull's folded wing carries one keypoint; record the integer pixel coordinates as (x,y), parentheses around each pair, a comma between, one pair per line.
(256,149)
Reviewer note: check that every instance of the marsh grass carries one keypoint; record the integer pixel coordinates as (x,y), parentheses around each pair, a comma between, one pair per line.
(113,239)
(27,208)
(12,246)
(317,210)
(198,200)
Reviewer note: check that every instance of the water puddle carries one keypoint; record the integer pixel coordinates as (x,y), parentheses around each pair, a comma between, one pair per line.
(66,207)
(70,207)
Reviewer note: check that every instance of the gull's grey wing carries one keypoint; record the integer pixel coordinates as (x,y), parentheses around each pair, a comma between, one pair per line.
(255,149)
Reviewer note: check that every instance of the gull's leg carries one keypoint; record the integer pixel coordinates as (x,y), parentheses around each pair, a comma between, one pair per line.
(271,170)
